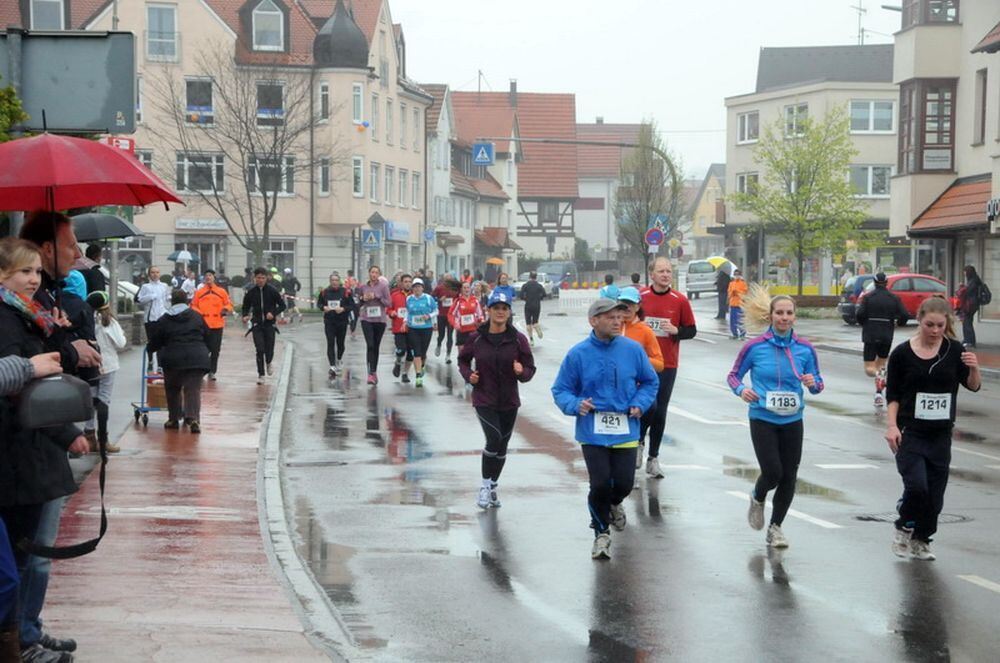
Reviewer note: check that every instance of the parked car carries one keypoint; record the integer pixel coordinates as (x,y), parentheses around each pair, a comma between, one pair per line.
(559,272)
(849,296)
(700,278)
(550,286)
(912,290)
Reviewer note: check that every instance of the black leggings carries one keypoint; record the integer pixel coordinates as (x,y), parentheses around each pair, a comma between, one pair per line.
(419,340)
(373,332)
(336,332)
(213,339)
(779,450)
(403,349)
(263,341)
(444,327)
(498,426)
(655,418)
(923,461)
(612,474)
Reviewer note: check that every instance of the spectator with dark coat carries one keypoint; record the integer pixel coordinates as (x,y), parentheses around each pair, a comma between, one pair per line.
(968,305)
(722,279)
(180,338)
(93,276)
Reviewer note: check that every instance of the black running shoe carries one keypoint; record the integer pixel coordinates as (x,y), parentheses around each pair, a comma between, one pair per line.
(56,644)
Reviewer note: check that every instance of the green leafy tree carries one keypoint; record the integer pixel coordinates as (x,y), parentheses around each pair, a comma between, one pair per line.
(804,196)
(11,113)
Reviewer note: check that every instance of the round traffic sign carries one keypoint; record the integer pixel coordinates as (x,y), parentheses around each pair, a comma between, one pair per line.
(654,237)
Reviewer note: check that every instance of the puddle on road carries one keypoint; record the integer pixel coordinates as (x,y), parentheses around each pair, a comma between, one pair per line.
(959,435)
(735,467)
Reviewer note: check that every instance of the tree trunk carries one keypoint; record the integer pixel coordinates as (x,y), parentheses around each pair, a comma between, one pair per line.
(799,256)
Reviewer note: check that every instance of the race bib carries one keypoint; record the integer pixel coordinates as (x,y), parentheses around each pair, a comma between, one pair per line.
(467,320)
(782,402)
(932,407)
(333,303)
(447,302)
(421,319)
(610,423)
(658,325)
(373,311)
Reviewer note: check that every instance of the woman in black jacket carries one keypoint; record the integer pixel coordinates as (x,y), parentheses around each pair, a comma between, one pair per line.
(968,305)
(179,336)
(336,302)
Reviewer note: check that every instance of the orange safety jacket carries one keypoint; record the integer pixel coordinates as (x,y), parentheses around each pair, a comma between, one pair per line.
(210,301)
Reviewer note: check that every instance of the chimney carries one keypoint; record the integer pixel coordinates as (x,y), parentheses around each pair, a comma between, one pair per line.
(600,119)
(513,92)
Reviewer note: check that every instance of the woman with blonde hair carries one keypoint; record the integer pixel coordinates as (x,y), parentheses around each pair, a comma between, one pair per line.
(922,381)
(780,365)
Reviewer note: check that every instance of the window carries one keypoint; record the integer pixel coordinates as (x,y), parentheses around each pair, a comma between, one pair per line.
(927,285)
(373,123)
(403,119)
(270,104)
(145,157)
(870,181)
(280,253)
(926,125)
(46,15)
(373,183)
(200,173)
(357,104)
(418,193)
(324,176)
(161,33)
(268,27)
(383,62)
(747,182)
(388,121)
(358,176)
(979,121)
(138,99)
(324,101)
(871,116)
(510,171)
(404,187)
(748,127)
(794,117)
(922,12)
(199,102)
(628,179)
(416,130)
(548,212)
(270,175)
(390,176)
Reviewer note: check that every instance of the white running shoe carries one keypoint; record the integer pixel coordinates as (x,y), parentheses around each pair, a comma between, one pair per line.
(755,516)
(484,498)
(653,468)
(494,497)
(618,519)
(640,452)
(602,547)
(270,371)
(260,379)
(879,400)
(901,542)
(538,330)
(921,550)
(775,537)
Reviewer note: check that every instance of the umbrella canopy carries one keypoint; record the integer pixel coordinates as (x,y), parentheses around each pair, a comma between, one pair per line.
(723,264)
(90,227)
(183,256)
(494,261)
(51,172)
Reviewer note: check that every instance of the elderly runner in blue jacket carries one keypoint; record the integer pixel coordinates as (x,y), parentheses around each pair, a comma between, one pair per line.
(607,383)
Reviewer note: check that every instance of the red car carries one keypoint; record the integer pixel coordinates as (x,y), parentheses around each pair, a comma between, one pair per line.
(912,290)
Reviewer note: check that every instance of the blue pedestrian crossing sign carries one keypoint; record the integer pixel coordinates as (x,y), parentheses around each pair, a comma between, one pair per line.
(483,154)
(371,239)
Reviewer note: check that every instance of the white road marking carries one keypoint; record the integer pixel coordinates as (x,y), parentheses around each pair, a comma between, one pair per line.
(974,453)
(705,340)
(684,467)
(982,582)
(701,420)
(994,467)
(826,524)
(846,466)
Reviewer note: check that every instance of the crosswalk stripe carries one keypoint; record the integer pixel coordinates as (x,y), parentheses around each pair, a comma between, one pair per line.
(982,582)
(826,524)
(846,466)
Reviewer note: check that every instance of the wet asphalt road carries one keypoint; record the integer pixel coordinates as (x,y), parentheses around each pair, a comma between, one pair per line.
(381,486)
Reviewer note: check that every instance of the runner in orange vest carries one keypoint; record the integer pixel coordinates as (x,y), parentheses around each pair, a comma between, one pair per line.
(213,303)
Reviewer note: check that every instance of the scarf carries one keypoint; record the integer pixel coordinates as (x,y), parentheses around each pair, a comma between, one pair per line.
(29,309)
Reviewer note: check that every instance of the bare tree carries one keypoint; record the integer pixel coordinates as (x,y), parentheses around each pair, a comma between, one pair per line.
(241,135)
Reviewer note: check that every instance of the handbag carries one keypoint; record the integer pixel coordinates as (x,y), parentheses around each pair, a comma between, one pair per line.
(54,401)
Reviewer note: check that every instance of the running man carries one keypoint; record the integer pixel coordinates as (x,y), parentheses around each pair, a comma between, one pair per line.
(669,314)
(533,293)
(374,300)
(606,382)
(445,293)
(397,313)
(261,307)
(877,313)
(213,303)
(291,286)
(421,320)
(336,302)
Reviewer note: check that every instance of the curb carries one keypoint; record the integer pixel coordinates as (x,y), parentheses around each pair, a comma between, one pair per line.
(323,625)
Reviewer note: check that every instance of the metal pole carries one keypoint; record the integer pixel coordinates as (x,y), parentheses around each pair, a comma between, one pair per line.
(113,280)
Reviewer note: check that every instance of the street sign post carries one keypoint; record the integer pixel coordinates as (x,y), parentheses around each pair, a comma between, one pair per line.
(429,235)
(483,154)
(654,237)
(371,239)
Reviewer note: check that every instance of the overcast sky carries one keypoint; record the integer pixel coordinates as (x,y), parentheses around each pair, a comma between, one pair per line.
(627,60)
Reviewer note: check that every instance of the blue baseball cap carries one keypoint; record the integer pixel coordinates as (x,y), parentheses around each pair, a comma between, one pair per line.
(498,298)
(629,294)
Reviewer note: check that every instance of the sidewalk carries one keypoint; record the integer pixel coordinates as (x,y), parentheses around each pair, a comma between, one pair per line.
(183,573)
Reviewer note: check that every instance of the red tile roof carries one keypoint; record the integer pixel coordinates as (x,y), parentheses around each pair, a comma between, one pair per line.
(990,43)
(604,162)
(961,206)
(439,92)
(497,238)
(485,188)
(479,115)
(301,28)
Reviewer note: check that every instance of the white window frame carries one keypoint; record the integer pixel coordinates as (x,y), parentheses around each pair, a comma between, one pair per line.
(743,128)
(138,99)
(323,175)
(870,179)
(217,164)
(287,184)
(388,122)
(793,114)
(281,26)
(373,122)
(871,116)
(742,179)
(62,13)
(510,171)
(390,184)
(404,186)
(417,199)
(417,134)
(324,101)
(358,103)
(266,116)
(373,181)
(358,177)
(402,125)
(160,39)
(209,116)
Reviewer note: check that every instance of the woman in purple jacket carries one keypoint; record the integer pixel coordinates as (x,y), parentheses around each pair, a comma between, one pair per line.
(493,360)
(374,300)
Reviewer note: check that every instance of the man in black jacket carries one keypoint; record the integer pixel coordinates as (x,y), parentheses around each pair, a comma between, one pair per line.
(94,277)
(262,305)
(722,279)
(532,293)
(877,314)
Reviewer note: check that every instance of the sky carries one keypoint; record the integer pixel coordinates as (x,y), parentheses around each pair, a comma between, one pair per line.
(627,60)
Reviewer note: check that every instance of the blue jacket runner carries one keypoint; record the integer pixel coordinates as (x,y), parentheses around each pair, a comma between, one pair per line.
(421,312)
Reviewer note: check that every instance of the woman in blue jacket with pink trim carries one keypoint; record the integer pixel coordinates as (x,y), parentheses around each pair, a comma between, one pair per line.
(780,365)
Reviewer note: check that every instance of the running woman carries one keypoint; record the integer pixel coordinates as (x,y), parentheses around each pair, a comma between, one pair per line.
(634,328)
(504,286)
(494,360)
(397,312)
(352,284)
(780,365)
(466,314)
(421,310)
(606,382)
(877,314)
(373,301)
(533,293)
(922,387)
(669,314)
(445,293)
(336,302)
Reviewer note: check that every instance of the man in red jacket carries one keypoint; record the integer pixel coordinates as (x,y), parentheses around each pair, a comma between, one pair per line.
(397,313)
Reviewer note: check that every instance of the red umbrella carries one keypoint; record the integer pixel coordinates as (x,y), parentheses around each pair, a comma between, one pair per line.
(62,172)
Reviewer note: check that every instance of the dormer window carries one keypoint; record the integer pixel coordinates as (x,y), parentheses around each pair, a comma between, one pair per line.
(46,14)
(268,27)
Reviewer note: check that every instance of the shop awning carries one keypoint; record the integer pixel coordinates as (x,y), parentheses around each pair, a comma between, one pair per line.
(990,43)
(962,206)
(497,238)
(445,238)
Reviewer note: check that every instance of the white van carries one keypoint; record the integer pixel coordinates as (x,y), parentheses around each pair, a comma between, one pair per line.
(700,278)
